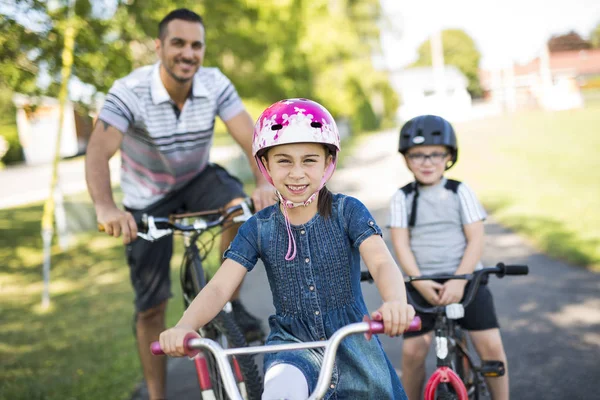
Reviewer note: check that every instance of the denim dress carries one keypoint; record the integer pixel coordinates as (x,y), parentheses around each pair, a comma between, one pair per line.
(319,292)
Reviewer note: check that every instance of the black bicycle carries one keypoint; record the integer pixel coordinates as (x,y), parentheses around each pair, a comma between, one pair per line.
(458,376)
(199,230)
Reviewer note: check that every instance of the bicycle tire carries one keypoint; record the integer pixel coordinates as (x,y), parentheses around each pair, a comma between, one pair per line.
(445,391)
(227,327)
(223,324)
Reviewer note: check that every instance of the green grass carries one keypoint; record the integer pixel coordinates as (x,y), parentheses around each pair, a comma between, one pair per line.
(83,346)
(538,173)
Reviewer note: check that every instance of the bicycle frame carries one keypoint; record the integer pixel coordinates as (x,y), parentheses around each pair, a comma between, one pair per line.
(368,327)
(154,228)
(193,277)
(445,328)
(445,347)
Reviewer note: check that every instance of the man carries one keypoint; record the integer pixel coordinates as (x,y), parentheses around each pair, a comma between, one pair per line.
(161,117)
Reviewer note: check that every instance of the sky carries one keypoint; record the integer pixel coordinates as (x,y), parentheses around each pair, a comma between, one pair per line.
(503,31)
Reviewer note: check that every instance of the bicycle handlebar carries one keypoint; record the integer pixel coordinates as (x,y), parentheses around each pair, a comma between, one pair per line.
(500,270)
(152,228)
(194,344)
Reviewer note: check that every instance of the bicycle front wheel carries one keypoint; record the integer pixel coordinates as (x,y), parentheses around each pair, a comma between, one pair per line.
(225,330)
(244,366)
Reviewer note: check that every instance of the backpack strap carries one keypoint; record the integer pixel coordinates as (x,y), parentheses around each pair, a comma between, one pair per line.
(408,189)
(452,185)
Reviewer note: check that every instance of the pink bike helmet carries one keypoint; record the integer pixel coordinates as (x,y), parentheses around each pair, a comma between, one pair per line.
(295,121)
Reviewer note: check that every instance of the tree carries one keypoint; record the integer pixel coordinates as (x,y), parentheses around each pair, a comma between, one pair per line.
(17,70)
(460,51)
(270,50)
(595,37)
(567,42)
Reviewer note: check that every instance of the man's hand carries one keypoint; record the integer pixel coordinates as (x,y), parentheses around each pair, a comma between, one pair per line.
(453,291)
(116,222)
(263,196)
(430,290)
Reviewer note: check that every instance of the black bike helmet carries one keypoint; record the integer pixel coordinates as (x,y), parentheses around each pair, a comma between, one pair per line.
(429,130)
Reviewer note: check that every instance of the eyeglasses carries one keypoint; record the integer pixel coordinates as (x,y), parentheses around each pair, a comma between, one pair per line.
(420,158)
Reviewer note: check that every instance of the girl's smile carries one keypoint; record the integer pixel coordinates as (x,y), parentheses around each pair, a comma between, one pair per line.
(297,190)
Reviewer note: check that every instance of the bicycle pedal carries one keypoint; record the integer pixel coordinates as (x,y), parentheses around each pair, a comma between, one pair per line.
(492,368)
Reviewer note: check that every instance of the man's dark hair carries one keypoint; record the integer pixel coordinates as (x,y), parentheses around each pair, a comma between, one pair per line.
(180,13)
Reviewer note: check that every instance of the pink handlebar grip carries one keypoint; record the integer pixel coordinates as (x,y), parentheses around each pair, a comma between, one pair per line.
(376,327)
(157,351)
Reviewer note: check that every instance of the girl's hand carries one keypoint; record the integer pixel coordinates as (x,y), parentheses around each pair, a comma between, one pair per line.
(452,291)
(430,290)
(396,317)
(172,340)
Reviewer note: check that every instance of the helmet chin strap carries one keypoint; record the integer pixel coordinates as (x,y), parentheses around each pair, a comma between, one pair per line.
(291,253)
(290,204)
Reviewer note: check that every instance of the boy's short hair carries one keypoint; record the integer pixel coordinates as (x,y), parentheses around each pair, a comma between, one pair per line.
(181,13)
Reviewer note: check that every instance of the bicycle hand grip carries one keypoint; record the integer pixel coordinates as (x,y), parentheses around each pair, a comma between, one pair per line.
(157,351)
(516,270)
(376,327)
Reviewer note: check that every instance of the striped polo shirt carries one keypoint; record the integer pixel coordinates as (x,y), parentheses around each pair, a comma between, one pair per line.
(437,240)
(162,148)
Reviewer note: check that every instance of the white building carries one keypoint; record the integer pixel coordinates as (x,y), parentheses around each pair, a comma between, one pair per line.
(425,90)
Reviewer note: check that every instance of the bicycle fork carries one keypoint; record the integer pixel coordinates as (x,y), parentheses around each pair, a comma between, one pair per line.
(444,375)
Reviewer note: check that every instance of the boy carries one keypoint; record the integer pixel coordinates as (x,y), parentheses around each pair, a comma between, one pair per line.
(437,227)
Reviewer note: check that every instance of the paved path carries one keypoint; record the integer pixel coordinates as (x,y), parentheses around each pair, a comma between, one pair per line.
(550,319)
(24,184)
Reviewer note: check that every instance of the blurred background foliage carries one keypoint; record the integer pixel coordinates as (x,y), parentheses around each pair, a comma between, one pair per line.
(321,49)
(459,50)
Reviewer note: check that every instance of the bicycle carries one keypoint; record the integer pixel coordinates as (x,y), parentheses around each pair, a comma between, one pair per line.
(193,277)
(367,327)
(457,376)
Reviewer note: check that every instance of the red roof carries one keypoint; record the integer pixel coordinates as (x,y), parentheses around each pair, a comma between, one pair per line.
(578,62)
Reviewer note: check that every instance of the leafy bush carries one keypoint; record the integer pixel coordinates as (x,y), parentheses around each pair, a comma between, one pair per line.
(8,129)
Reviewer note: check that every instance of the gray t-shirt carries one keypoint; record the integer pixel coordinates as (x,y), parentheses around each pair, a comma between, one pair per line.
(437,240)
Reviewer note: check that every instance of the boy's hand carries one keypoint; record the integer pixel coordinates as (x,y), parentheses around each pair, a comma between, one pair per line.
(453,291)
(430,290)
(396,317)
(171,340)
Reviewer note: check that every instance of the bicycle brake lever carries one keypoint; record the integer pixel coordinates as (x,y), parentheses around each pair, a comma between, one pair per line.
(145,237)
(245,215)
(153,232)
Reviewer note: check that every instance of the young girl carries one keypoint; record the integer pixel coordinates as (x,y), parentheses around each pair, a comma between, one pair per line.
(311,243)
